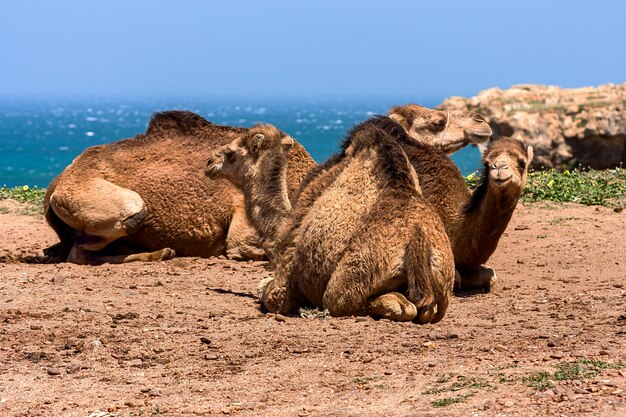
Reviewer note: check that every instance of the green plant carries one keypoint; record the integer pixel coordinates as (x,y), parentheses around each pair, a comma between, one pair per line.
(444,402)
(593,187)
(539,381)
(23,194)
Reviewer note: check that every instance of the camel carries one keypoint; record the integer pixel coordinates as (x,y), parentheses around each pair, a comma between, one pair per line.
(474,222)
(448,130)
(368,244)
(145,198)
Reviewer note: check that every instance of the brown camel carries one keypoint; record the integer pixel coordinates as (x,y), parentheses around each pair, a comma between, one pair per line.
(474,222)
(449,130)
(145,198)
(368,244)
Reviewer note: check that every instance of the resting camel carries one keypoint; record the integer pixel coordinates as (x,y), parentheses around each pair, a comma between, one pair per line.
(368,244)
(448,130)
(146,199)
(474,221)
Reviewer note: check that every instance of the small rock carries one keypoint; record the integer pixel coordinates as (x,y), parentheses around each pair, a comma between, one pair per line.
(211,357)
(58,280)
(618,209)
(581,391)
(36,327)
(160,316)
(604,352)
(205,341)
(360,319)
(368,359)
(556,356)
(249,355)
(132,287)
(520,261)
(618,285)
(429,344)
(552,343)
(53,371)
(279,317)
(522,227)
(96,343)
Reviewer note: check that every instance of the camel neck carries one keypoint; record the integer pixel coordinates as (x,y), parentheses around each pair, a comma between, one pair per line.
(482,226)
(267,201)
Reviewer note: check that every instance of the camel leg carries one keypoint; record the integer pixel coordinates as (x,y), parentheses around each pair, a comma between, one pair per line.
(280,294)
(242,241)
(483,278)
(84,253)
(393,306)
(99,214)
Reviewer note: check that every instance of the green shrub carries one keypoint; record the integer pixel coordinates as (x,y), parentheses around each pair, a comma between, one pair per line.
(23,194)
(592,187)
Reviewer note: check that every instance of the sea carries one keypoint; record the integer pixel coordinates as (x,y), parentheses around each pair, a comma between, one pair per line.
(40,137)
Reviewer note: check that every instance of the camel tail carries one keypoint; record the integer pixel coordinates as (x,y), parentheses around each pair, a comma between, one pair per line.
(426,270)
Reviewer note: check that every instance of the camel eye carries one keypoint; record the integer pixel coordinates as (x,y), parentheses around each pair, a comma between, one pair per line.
(479,118)
(521,164)
(229,155)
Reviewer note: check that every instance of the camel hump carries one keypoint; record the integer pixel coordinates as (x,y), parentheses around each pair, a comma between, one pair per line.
(98,207)
(177,121)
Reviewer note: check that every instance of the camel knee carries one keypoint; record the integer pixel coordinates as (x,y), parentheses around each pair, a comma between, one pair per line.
(275,298)
(483,278)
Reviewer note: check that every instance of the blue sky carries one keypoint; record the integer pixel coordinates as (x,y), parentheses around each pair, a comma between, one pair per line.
(292,48)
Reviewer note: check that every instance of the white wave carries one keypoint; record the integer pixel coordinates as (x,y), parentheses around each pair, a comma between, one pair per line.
(90,134)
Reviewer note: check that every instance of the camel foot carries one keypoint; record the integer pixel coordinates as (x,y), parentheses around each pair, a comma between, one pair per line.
(484,278)
(159,255)
(54,254)
(393,306)
(262,285)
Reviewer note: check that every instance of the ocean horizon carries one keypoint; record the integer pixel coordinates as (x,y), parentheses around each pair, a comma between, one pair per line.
(40,137)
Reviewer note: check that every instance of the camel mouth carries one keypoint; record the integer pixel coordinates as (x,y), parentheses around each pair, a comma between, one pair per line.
(478,137)
(213,170)
(502,181)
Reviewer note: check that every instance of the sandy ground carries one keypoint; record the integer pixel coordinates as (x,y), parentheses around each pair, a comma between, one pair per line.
(186,337)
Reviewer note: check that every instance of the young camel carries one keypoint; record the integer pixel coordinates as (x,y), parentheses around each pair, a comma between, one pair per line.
(146,199)
(369,244)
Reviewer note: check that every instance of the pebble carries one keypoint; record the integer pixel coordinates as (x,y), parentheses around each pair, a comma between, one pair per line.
(581,391)
(618,209)
(279,317)
(53,371)
(96,343)
(522,227)
(552,343)
(36,327)
(556,356)
(368,359)
(205,340)
(211,357)
(360,319)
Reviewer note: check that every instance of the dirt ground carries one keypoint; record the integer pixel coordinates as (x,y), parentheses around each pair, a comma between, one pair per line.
(186,337)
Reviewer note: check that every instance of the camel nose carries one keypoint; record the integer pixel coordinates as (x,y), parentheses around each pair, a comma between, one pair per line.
(500,165)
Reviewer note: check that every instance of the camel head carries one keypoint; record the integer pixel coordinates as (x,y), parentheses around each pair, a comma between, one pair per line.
(449,130)
(242,159)
(506,163)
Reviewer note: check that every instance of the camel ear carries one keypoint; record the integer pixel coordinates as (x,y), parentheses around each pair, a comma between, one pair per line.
(287,143)
(256,142)
(530,153)
(400,119)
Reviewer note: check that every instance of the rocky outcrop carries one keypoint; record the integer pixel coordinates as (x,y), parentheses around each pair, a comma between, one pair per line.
(566,127)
